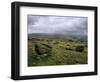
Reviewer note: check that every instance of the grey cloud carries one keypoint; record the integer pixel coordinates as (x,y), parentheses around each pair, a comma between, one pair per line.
(57,24)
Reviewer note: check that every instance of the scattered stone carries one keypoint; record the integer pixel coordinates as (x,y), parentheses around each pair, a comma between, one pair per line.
(80,48)
(42,49)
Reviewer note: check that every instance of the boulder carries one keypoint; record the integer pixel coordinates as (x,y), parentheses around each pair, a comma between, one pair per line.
(80,48)
(42,49)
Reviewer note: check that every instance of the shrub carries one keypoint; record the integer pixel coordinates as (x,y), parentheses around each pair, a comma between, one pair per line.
(80,48)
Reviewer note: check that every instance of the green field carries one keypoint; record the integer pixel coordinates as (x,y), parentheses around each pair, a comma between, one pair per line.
(56,51)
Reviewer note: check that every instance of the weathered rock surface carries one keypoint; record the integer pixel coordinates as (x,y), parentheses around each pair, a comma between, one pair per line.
(42,49)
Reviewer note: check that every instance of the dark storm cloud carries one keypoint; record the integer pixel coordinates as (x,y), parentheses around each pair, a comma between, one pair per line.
(57,24)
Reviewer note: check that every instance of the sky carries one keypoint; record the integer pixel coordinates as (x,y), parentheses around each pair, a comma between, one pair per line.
(65,25)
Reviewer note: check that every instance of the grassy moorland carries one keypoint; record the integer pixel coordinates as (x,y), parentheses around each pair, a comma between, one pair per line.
(47,51)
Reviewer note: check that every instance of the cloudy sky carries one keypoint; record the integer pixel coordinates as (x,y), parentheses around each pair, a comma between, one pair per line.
(57,24)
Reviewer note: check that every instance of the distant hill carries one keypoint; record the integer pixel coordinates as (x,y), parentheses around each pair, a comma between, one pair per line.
(41,35)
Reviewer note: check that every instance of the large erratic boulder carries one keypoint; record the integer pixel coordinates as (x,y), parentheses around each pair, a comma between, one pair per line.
(42,49)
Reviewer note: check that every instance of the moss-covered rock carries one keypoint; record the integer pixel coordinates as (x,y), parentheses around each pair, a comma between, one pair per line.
(42,49)
(80,48)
